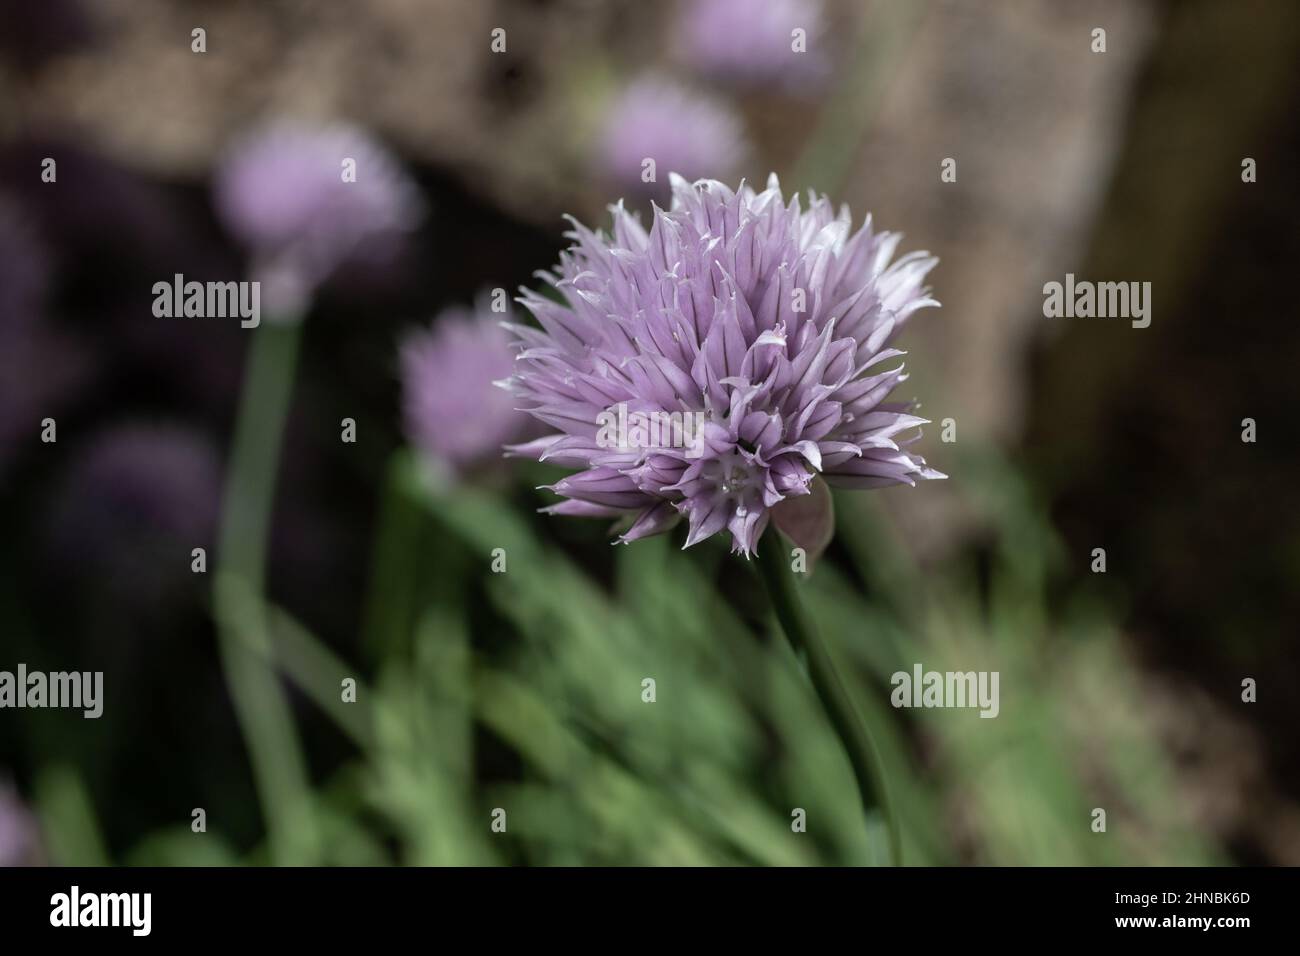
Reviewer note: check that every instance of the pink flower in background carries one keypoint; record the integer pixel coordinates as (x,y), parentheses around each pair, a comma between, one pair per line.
(136,499)
(284,192)
(20,843)
(752,42)
(24,268)
(42,368)
(454,413)
(658,119)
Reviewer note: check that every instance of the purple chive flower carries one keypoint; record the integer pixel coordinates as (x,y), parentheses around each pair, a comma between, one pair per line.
(752,42)
(766,324)
(454,413)
(41,372)
(281,190)
(134,503)
(41,367)
(20,843)
(24,268)
(658,119)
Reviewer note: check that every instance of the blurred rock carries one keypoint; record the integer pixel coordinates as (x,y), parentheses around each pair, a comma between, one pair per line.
(421,74)
(1033,118)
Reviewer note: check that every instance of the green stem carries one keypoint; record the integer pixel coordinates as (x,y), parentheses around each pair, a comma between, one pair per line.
(835,699)
(265,719)
(389,605)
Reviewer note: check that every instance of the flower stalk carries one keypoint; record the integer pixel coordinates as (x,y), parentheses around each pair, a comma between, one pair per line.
(279,770)
(835,700)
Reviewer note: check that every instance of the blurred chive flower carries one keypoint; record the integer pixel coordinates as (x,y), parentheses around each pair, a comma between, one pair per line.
(288,192)
(752,42)
(42,371)
(454,414)
(41,367)
(20,843)
(771,321)
(658,119)
(134,503)
(24,268)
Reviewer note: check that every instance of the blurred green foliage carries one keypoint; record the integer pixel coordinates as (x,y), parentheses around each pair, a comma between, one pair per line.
(522,690)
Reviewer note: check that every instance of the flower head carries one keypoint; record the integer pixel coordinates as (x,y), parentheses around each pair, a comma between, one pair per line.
(41,367)
(660,120)
(20,843)
(455,415)
(24,268)
(306,199)
(767,324)
(134,502)
(753,42)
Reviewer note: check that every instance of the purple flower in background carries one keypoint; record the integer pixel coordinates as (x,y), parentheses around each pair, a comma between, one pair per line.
(41,368)
(753,42)
(681,131)
(20,843)
(762,327)
(454,412)
(305,199)
(41,371)
(135,501)
(24,267)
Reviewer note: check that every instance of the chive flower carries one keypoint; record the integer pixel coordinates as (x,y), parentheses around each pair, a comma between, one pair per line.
(306,199)
(722,363)
(658,120)
(454,414)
